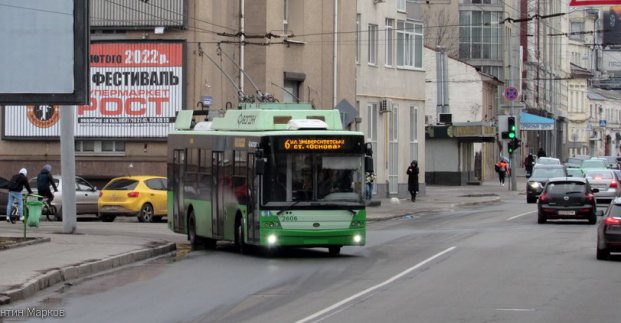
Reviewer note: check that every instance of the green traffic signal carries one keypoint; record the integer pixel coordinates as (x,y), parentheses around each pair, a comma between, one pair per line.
(511,126)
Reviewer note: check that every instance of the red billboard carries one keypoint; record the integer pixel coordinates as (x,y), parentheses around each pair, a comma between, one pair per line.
(576,3)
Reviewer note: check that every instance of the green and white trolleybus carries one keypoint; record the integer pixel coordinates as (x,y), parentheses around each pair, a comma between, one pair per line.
(268,174)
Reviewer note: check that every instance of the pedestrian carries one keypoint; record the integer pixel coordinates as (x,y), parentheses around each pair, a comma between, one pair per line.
(413,179)
(502,168)
(528,164)
(16,185)
(44,181)
(369,180)
(541,153)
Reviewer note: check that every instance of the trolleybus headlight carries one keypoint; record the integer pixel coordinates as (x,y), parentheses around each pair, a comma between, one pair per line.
(357,238)
(271,239)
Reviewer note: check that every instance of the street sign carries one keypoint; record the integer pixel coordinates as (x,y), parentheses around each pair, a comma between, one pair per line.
(514,105)
(603,123)
(511,93)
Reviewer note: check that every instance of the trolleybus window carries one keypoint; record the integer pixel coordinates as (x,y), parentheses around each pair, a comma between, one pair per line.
(312,177)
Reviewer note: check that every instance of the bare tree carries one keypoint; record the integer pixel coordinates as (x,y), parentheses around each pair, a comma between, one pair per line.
(441,28)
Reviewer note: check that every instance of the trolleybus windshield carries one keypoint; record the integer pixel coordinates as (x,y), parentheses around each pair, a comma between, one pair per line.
(312,177)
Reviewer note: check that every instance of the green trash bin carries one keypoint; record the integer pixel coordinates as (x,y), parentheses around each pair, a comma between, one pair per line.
(35,208)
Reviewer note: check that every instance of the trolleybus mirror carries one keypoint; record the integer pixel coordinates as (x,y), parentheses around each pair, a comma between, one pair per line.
(260,166)
(369,149)
(368,164)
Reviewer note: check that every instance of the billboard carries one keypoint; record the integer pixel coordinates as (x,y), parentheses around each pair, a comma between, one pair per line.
(576,3)
(136,89)
(611,25)
(44,52)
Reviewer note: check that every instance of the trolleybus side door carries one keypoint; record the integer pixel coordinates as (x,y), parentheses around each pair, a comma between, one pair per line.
(177,184)
(217,208)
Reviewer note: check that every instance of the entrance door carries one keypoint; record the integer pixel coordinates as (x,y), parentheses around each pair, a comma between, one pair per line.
(217,197)
(178,206)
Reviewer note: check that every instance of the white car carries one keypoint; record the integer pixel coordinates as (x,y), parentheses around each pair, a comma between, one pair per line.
(86,196)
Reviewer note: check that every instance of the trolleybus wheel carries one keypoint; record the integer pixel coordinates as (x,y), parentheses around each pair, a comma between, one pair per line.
(334,250)
(194,239)
(239,236)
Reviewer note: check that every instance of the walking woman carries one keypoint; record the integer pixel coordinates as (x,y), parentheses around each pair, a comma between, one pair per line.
(413,179)
(502,168)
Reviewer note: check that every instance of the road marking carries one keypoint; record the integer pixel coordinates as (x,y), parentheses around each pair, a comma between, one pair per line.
(516,309)
(370,289)
(519,215)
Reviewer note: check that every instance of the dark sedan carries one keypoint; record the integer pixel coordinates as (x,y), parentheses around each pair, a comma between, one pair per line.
(609,231)
(567,198)
(539,178)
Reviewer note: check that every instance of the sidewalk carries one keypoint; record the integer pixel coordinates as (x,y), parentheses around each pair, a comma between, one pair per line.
(59,258)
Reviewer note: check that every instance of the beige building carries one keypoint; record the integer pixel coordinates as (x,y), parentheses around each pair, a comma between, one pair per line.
(390,91)
(152,59)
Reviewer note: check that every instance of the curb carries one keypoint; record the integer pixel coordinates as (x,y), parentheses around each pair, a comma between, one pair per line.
(26,243)
(57,275)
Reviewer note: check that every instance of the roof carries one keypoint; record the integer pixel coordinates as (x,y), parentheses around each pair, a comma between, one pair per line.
(548,166)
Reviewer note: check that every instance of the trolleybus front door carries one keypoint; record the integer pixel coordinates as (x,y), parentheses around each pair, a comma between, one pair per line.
(217,197)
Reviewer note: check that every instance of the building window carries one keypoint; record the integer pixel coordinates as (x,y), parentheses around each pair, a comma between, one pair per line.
(103,147)
(401,5)
(409,44)
(480,35)
(576,30)
(358,38)
(285,19)
(372,44)
(389,40)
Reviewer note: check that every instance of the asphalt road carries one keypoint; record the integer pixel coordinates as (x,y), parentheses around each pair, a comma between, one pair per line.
(492,264)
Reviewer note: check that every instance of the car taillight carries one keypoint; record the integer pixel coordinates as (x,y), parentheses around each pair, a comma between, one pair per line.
(612,221)
(132,194)
(613,184)
(590,198)
(543,197)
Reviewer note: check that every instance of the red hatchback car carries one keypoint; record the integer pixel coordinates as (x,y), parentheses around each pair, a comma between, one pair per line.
(567,198)
(609,231)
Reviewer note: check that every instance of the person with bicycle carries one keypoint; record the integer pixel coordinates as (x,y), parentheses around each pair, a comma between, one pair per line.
(44,181)
(16,186)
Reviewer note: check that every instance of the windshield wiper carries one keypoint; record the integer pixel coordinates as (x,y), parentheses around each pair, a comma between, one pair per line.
(288,207)
(341,207)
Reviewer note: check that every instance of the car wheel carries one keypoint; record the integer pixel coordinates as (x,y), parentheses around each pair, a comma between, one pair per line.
(334,250)
(58,213)
(593,219)
(107,217)
(541,219)
(531,199)
(602,254)
(146,213)
(239,236)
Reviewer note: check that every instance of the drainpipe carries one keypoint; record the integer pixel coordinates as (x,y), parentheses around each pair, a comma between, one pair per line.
(336,30)
(242,38)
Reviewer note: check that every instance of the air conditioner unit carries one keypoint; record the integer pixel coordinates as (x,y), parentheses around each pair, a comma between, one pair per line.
(428,119)
(445,118)
(385,105)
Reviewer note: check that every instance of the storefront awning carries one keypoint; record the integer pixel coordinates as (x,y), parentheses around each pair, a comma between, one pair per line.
(534,122)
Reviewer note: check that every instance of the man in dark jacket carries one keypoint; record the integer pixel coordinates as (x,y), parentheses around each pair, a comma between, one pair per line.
(413,179)
(16,185)
(44,181)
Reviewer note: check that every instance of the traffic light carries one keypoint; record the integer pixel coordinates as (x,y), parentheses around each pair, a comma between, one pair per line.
(511,127)
(513,144)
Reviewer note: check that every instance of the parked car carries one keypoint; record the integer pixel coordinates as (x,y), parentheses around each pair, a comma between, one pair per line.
(609,231)
(142,196)
(86,196)
(612,161)
(567,198)
(547,161)
(606,182)
(539,178)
